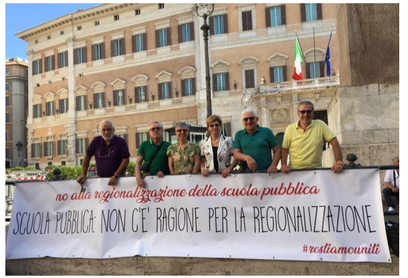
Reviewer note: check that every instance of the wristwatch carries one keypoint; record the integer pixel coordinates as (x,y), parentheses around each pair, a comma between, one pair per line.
(116,176)
(339,162)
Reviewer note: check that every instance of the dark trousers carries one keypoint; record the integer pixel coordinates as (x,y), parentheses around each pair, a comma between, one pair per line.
(387,196)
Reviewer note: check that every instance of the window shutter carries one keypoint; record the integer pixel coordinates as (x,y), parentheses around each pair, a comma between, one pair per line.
(283,15)
(133,43)
(319,11)
(247,20)
(45,148)
(211,25)
(308,65)
(271,75)
(32,150)
(215,83)
(180,33)
(124,96)
(95,101)
(160,91)
(303,12)
(137,140)
(194,86)
(103,100)
(123,46)
(59,147)
(41,65)
(285,77)
(66,59)
(144,41)
(77,104)
(321,68)
(59,60)
(76,145)
(112,48)
(52,62)
(157,39)
(228,129)
(183,87)
(115,98)
(125,136)
(136,94)
(192,31)
(225,23)
(84,54)
(227,81)
(76,56)
(86,103)
(103,50)
(93,52)
(33,67)
(268,17)
(169,36)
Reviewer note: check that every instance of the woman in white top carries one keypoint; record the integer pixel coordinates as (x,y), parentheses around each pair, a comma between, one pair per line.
(217,150)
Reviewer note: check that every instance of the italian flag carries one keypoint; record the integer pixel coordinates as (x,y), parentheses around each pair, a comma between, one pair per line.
(297,70)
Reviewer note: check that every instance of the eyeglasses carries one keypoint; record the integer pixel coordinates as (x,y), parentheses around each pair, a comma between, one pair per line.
(214,125)
(155,128)
(181,130)
(305,111)
(249,118)
(106,129)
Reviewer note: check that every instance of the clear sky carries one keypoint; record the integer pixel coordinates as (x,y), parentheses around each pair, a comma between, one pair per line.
(23,16)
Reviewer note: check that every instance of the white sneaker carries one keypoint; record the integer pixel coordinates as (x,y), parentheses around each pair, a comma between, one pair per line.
(391,209)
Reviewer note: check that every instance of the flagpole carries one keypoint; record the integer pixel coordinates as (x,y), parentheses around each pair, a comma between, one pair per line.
(303,56)
(328,44)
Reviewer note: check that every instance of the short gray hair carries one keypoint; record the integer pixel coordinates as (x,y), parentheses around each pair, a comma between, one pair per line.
(306,102)
(249,110)
(182,124)
(156,122)
(107,121)
(395,158)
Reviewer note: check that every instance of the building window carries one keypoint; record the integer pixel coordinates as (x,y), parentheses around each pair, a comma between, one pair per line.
(188,87)
(37,111)
(161,6)
(140,137)
(118,47)
(246,20)
(137,12)
(162,37)
(63,105)
(99,100)
(140,42)
(7,101)
(62,59)
(186,32)
(49,108)
(249,78)
(82,144)
(49,63)
(62,147)
(116,17)
(7,139)
(164,90)
(219,24)
(36,42)
(81,103)
(36,150)
(221,81)
(7,71)
(79,27)
(316,70)
(80,55)
(7,87)
(48,37)
(311,12)
(277,74)
(140,94)
(37,67)
(97,23)
(275,16)
(62,33)
(98,52)
(49,148)
(118,97)
(7,117)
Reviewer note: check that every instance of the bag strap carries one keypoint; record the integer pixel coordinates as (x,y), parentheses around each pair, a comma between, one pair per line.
(155,153)
(395,180)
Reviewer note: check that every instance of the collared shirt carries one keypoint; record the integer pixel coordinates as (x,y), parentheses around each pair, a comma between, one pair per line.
(389,177)
(108,157)
(306,147)
(160,162)
(258,145)
(183,159)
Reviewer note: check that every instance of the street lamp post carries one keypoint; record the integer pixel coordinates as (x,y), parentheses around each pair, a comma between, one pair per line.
(204,11)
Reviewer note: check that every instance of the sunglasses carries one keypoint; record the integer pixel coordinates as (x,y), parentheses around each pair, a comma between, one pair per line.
(305,111)
(181,130)
(214,125)
(155,128)
(249,118)
(106,129)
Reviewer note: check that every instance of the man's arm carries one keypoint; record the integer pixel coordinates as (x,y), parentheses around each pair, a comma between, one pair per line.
(138,175)
(249,160)
(276,157)
(284,161)
(121,170)
(85,165)
(337,168)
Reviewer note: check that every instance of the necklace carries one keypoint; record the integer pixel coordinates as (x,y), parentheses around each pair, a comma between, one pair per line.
(215,141)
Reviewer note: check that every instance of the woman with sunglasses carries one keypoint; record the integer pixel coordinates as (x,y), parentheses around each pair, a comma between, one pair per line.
(184,156)
(216,150)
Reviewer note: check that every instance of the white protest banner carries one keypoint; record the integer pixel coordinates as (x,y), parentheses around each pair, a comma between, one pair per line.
(307,215)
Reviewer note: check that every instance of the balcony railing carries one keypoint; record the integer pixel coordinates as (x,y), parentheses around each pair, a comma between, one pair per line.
(314,83)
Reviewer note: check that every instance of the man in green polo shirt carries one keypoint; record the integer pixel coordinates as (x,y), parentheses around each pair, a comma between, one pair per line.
(157,165)
(254,143)
(304,141)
